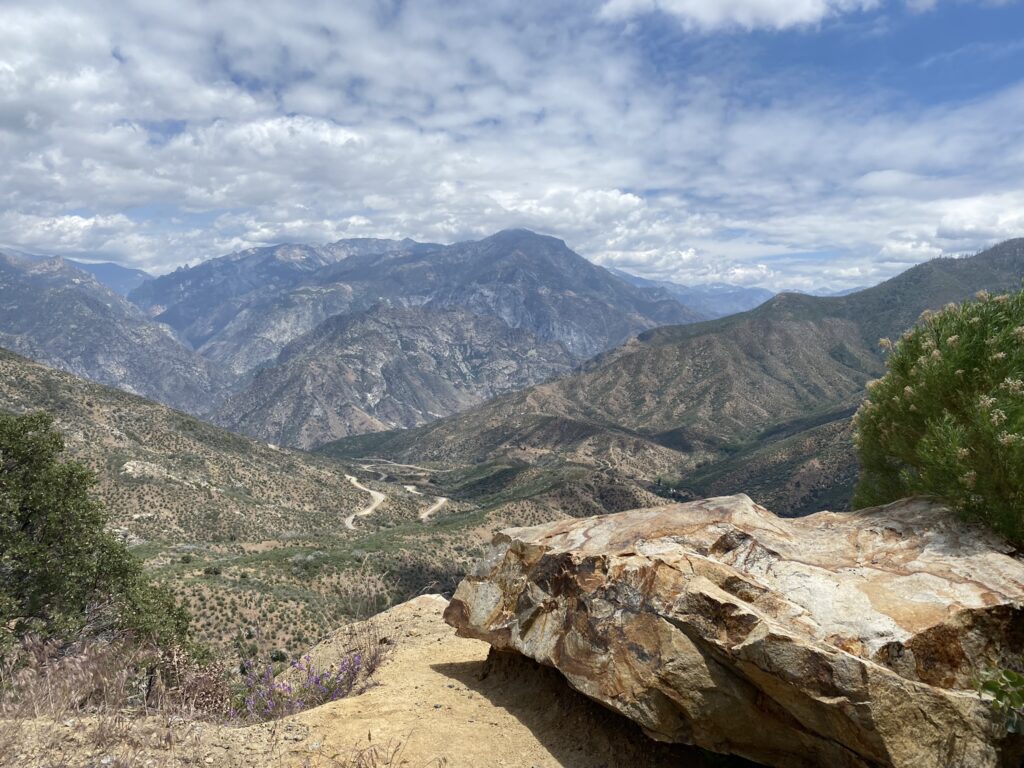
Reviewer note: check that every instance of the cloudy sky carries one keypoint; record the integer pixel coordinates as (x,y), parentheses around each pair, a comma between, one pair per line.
(787,143)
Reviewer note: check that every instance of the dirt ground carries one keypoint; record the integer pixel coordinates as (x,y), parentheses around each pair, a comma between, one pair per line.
(438,700)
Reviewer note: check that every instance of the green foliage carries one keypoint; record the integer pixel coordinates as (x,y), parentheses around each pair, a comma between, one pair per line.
(60,570)
(948,418)
(1006,688)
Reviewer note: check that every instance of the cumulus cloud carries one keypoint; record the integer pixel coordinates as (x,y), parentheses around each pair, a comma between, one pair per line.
(747,14)
(164,134)
(754,14)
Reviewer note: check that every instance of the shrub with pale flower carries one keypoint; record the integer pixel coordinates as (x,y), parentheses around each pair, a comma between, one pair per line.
(265,697)
(947,420)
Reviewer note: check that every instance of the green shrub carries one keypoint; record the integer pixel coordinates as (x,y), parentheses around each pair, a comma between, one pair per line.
(61,572)
(947,420)
(1006,691)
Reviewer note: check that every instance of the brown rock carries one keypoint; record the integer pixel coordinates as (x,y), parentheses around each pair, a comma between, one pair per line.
(832,640)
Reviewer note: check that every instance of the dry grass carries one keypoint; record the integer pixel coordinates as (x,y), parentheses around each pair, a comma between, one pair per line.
(253,607)
(96,699)
(113,703)
(389,755)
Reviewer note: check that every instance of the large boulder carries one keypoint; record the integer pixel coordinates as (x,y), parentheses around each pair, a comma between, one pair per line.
(835,640)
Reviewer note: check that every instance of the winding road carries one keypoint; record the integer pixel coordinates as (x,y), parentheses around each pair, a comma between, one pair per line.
(378,499)
(426,513)
(371,460)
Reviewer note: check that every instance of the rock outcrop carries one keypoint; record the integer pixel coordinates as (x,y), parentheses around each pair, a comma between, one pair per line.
(841,640)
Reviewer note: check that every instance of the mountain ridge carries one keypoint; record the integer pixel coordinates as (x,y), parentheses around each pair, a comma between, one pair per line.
(706,389)
(387,366)
(199,338)
(56,313)
(710,299)
(530,281)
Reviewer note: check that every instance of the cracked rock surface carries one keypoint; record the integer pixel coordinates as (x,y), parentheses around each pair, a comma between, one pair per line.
(846,640)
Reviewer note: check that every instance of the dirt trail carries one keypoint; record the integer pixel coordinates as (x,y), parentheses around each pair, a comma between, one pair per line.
(436,695)
(371,460)
(378,499)
(426,512)
(442,697)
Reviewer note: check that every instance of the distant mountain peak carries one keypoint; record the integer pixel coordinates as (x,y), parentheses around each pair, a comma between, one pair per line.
(710,299)
(522,234)
(243,311)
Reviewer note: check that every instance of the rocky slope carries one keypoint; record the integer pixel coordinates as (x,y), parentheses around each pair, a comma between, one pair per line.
(848,640)
(241,310)
(58,314)
(798,467)
(705,390)
(165,475)
(385,368)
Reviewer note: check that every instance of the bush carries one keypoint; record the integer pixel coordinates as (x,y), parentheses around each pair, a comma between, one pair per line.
(265,698)
(1006,691)
(61,572)
(947,420)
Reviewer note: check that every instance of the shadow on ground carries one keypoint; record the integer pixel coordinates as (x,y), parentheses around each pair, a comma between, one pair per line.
(578,732)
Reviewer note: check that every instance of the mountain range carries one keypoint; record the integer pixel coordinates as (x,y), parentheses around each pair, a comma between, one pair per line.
(303,344)
(674,403)
(241,310)
(59,314)
(709,299)
(511,351)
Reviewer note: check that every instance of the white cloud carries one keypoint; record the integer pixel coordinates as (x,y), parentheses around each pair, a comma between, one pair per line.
(713,15)
(745,14)
(163,134)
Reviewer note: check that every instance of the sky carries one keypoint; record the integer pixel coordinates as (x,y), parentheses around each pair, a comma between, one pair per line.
(784,143)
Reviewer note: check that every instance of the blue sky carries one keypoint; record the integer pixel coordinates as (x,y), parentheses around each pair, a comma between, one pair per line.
(787,143)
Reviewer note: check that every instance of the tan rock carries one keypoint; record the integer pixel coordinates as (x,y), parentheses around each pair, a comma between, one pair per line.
(834,640)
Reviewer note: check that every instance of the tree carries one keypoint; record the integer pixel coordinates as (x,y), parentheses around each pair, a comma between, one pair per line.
(947,420)
(60,569)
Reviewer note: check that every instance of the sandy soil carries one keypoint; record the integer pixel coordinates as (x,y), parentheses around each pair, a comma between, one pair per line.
(442,697)
(443,700)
